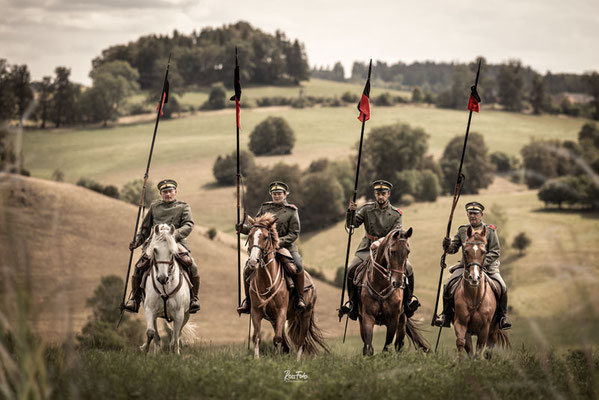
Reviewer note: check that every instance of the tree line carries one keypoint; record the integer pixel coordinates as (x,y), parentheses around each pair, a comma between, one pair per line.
(203,58)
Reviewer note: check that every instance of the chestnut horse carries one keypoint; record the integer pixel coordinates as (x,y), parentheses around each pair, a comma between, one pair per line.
(381,300)
(475,303)
(270,297)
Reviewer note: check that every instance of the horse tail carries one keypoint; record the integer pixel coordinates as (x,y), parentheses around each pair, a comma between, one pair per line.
(309,337)
(499,337)
(414,332)
(189,333)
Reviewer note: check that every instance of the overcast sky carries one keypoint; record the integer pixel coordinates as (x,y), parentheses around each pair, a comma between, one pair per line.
(560,36)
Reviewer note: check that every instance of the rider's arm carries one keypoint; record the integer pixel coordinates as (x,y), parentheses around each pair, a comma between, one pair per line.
(358,220)
(455,244)
(146,228)
(493,250)
(397,224)
(293,232)
(186,224)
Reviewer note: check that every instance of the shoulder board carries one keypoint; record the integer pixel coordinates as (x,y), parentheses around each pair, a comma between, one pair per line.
(156,202)
(370,203)
(267,203)
(464,226)
(181,202)
(397,209)
(291,206)
(492,227)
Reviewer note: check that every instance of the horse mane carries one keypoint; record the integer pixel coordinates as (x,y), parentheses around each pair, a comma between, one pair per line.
(163,236)
(269,221)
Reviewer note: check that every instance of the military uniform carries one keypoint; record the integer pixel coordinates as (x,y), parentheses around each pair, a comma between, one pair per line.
(490,266)
(378,222)
(177,213)
(288,229)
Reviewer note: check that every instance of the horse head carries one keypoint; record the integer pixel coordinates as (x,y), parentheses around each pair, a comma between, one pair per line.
(263,239)
(162,250)
(474,251)
(394,251)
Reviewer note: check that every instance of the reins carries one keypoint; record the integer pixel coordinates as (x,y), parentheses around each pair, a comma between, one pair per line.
(164,295)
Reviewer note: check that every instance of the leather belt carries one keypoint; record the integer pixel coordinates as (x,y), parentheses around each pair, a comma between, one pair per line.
(373,238)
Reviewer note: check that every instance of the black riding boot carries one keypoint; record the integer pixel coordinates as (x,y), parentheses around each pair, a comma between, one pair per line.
(411,302)
(135,300)
(194,305)
(300,304)
(445,318)
(245,306)
(351,306)
(503,321)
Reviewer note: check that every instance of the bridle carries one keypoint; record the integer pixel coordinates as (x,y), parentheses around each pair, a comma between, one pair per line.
(263,253)
(480,266)
(164,295)
(274,286)
(386,272)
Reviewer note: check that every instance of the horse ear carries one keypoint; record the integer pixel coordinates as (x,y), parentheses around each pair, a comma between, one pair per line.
(172,229)
(484,231)
(252,220)
(409,232)
(156,229)
(396,234)
(469,232)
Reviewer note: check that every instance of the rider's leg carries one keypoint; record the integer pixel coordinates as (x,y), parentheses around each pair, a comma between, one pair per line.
(351,306)
(503,320)
(446,316)
(299,280)
(194,305)
(135,298)
(245,306)
(411,302)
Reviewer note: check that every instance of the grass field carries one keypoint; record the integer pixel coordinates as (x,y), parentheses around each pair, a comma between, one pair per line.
(229,372)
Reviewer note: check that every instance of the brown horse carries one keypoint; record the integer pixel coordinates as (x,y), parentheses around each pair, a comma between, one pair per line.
(381,299)
(475,303)
(270,297)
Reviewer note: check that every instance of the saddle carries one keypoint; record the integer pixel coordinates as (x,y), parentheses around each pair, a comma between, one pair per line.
(183,258)
(495,287)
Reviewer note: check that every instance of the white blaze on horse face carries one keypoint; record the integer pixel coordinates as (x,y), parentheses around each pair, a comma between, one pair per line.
(475,273)
(255,247)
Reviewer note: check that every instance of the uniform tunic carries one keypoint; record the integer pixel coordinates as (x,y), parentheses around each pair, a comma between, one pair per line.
(175,212)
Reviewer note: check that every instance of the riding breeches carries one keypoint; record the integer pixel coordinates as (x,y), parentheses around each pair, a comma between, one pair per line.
(458,272)
(144,263)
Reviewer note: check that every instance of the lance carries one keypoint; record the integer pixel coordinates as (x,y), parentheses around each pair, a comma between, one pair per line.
(159,113)
(473,105)
(364,108)
(237,98)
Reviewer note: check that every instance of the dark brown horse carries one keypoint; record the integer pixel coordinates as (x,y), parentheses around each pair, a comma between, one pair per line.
(381,298)
(270,298)
(475,303)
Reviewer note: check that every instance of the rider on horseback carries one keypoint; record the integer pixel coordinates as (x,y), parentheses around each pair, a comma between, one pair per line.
(379,218)
(167,211)
(490,267)
(288,228)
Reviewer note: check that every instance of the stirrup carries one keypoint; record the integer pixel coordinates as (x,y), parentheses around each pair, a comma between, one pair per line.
(504,324)
(132,306)
(441,321)
(346,308)
(194,306)
(413,304)
(244,308)
(300,304)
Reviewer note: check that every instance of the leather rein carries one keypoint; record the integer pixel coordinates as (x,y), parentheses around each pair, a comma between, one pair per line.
(265,259)
(387,274)
(476,306)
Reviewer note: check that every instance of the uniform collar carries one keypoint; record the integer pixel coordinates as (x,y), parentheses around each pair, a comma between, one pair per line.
(387,204)
(478,226)
(284,203)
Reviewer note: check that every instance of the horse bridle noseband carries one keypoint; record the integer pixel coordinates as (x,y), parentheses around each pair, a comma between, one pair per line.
(263,252)
(474,262)
(166,295)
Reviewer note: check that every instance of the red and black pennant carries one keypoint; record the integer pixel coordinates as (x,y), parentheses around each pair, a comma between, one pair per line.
(237,86)
(473,102)
(164,99)
(364,104)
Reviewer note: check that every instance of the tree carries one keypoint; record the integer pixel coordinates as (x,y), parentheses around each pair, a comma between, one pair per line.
(543,160)
(417,95)
(113,82)
(477,167)
(538,97)
(592,81)
(7,98)
(225,168)
(20,79)
(457,96)
(63,101)
(429,187)
(272,136)
(510,82)
(338,72)
(45,89)
(521,242)
(217,99)
(99,331)
(131,192)
(320,211)
(564,189)
(388,150)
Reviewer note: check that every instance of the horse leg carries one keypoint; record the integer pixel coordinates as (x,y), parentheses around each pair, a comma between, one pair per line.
(256,322)
(460,333)
(401,332)
(391,330)
(468,344)
(157,339)
(177,328)
(481,341)
(366,328)
(305,319)
(150,330)
(279,326)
